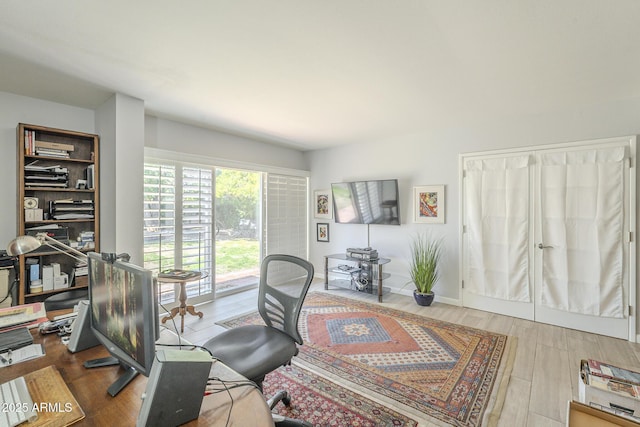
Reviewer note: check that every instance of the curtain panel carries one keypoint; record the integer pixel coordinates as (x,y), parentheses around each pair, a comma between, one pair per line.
(582,204)
(497,202)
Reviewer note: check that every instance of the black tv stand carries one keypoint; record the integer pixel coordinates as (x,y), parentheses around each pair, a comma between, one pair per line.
(129,373)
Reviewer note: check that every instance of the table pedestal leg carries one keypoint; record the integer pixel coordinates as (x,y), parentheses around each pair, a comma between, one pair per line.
(183,308)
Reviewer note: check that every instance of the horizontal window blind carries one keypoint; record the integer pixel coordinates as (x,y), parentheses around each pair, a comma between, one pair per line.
(286,231)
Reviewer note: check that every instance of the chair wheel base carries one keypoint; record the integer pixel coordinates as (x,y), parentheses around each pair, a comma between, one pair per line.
(281,396)
(286,400)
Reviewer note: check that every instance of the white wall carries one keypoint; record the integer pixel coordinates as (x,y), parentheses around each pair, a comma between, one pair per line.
(16,109)
(432,158)
(120,123)
(174,136)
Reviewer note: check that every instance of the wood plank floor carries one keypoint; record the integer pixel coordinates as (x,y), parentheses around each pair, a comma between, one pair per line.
(545,374)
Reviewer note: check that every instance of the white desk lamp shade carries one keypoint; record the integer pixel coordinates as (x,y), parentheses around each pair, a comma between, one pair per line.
(22,245)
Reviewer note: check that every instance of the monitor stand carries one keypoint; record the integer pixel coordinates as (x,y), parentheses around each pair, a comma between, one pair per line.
(129,374)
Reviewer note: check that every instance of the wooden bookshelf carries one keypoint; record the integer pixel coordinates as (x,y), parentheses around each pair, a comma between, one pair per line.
(56,165)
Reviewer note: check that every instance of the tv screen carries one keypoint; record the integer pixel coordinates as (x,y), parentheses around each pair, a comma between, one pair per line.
(366,202)
(123,315)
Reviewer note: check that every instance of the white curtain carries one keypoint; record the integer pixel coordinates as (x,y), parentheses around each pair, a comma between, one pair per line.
(497,227)
(582,222)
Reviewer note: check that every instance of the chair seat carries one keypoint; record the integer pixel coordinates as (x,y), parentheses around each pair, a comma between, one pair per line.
(253,350)
(66,300)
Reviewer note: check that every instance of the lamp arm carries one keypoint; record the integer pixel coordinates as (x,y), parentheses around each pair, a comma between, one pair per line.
(68,250)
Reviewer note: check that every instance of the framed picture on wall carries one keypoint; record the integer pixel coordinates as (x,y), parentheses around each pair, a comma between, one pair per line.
(322,204)
(428,204)
(322,232)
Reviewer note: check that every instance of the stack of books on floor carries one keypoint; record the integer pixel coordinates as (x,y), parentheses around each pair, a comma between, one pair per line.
(45,176)
(610,388)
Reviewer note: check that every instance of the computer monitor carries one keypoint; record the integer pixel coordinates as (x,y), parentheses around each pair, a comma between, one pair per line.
(123,315)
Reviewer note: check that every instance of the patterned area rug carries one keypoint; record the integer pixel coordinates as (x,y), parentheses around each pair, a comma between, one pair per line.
(324,403)
(435,372)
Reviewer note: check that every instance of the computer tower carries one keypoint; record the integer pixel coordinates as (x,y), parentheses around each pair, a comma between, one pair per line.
(81,335)
(175,388)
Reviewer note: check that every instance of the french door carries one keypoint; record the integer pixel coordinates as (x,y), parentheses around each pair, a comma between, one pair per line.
(546,234)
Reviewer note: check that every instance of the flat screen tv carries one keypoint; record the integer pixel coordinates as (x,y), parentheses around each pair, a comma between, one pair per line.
(122,299)
(366,202)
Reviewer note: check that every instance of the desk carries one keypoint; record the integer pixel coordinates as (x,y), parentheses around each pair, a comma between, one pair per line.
(89,387)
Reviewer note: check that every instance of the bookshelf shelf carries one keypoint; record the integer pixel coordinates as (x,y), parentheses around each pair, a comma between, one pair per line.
(60,190)
(53,166)
(49,293)
(55,159)
(59,221)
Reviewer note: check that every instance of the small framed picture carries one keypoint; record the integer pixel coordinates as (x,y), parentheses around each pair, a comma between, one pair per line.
(428,204)
(322,232)
(322,204)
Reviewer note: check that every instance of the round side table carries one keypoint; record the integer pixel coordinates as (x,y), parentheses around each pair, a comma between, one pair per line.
(181,277)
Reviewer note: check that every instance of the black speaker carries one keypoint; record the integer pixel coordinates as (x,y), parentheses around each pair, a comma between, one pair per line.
(175,388)
(82,337)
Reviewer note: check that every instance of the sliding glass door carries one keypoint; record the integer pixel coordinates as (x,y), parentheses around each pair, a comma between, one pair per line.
(237,231)
(215,219)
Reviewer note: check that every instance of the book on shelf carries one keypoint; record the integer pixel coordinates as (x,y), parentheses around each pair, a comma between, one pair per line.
(54,146)
(36,166)
(52,152)
(32,146)
(46,177)
(29,142)
(42,176)
(46,184)
(89,175)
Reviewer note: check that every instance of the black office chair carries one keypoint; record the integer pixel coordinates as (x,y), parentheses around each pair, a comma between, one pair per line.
(65,300)
(256,350)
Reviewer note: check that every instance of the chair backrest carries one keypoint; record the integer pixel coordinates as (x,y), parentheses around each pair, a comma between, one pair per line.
(284,282)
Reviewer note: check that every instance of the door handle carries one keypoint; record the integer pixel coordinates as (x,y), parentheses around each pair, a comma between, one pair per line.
(541,246)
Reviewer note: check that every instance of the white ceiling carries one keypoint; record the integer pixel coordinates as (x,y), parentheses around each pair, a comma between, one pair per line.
(314,74)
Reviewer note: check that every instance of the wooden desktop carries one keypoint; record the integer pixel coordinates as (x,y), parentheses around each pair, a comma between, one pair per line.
(89,387)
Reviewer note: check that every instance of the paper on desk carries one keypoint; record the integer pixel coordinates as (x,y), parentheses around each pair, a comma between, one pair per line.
(21,354)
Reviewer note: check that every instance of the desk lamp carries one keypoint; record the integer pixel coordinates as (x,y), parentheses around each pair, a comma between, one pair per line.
(24,244)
